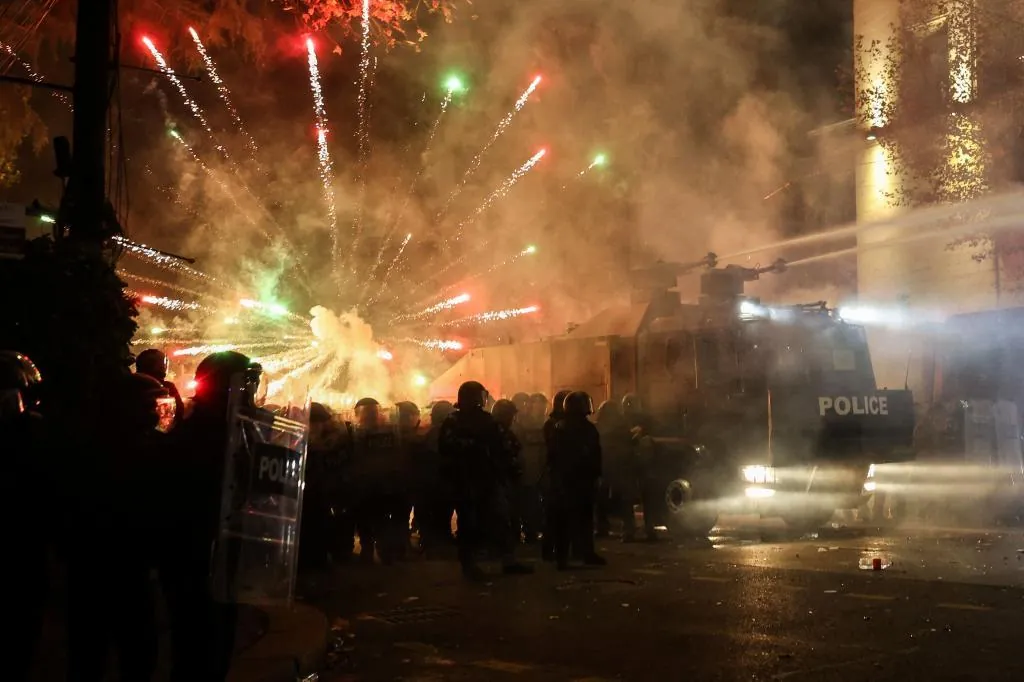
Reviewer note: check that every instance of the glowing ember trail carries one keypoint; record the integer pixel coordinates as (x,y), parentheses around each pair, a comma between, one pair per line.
(446,304)
(450,90)
(220,183)
(323,153)
(502,189)
(33,74)
(492,316)
(189,102)
(363,130)
(222,90)
(503,125)
(528,251)
(160,259)
(437,344)
(170,303)
(391,267)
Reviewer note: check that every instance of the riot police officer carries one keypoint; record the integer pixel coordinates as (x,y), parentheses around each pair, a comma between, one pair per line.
(472,449)
(202,629)
(620,469)
(315,532)
(22,435)
(510,470)
(640,428)
(379,479)
(434,495)
(575,469)
(153,362)
(556,415)
(522,404)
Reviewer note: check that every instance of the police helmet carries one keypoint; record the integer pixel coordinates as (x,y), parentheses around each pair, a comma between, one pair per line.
(408,414)
(630,403)
(152,362)
(521,401)
(472,395)
(214,374)
(504,411)
(558,406)
(440,410)
(146,403)
(578,404)
(367,411)
(607,412)
(318,413)
(19,383)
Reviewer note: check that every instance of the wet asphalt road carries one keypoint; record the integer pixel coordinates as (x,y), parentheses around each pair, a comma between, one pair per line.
(751,603)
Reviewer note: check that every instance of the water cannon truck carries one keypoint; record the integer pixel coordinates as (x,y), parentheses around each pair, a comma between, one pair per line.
(753,408)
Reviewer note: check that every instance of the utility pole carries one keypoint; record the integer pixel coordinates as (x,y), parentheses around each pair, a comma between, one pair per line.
(92,89)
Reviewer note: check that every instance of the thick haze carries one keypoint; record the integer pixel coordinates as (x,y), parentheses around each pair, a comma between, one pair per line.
(696,129)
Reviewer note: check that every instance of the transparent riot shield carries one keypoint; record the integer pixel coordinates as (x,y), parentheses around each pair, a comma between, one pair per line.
(257,546)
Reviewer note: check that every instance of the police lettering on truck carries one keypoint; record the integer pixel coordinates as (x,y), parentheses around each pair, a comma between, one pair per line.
(861,404)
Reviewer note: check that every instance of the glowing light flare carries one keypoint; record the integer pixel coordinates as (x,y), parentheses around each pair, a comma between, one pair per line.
(493,316)
(222,90)
(189,102)
(419,380)
(454,85)
(323,151)
(506,185)
(385,355)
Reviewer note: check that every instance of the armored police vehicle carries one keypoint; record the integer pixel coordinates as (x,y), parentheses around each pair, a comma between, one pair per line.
(770,409)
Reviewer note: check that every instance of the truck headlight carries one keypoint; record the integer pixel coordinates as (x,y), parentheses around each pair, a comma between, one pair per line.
(761,475)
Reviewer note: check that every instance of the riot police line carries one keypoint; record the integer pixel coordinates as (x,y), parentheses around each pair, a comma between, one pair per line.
(213,495)
(473,478)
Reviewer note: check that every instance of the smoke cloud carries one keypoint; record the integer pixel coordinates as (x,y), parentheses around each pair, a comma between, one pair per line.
(694,133)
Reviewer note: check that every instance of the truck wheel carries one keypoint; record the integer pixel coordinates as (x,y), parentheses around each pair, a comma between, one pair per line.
(686,516)
(808,520)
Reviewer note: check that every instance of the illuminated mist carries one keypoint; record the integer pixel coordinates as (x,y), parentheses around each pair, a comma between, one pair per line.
(645,131)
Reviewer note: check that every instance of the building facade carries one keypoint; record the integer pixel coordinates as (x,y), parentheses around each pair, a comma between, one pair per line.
(897,267)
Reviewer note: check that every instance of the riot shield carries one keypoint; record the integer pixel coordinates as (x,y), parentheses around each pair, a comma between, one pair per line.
(257,546)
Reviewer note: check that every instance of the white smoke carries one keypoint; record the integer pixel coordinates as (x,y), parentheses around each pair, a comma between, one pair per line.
(358,366)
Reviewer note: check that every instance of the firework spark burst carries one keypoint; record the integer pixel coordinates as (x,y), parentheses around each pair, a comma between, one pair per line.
(33,74)
(222,90)
(450,90)
(438,344)
(323,151)
(160,259)
(528,251)
(492,316)
(446,304)
(391,268)
(363,130)
(175,304)
(503,125)
(506,185)
(196,110)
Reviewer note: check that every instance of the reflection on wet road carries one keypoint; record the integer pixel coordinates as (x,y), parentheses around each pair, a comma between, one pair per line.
(750,602)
